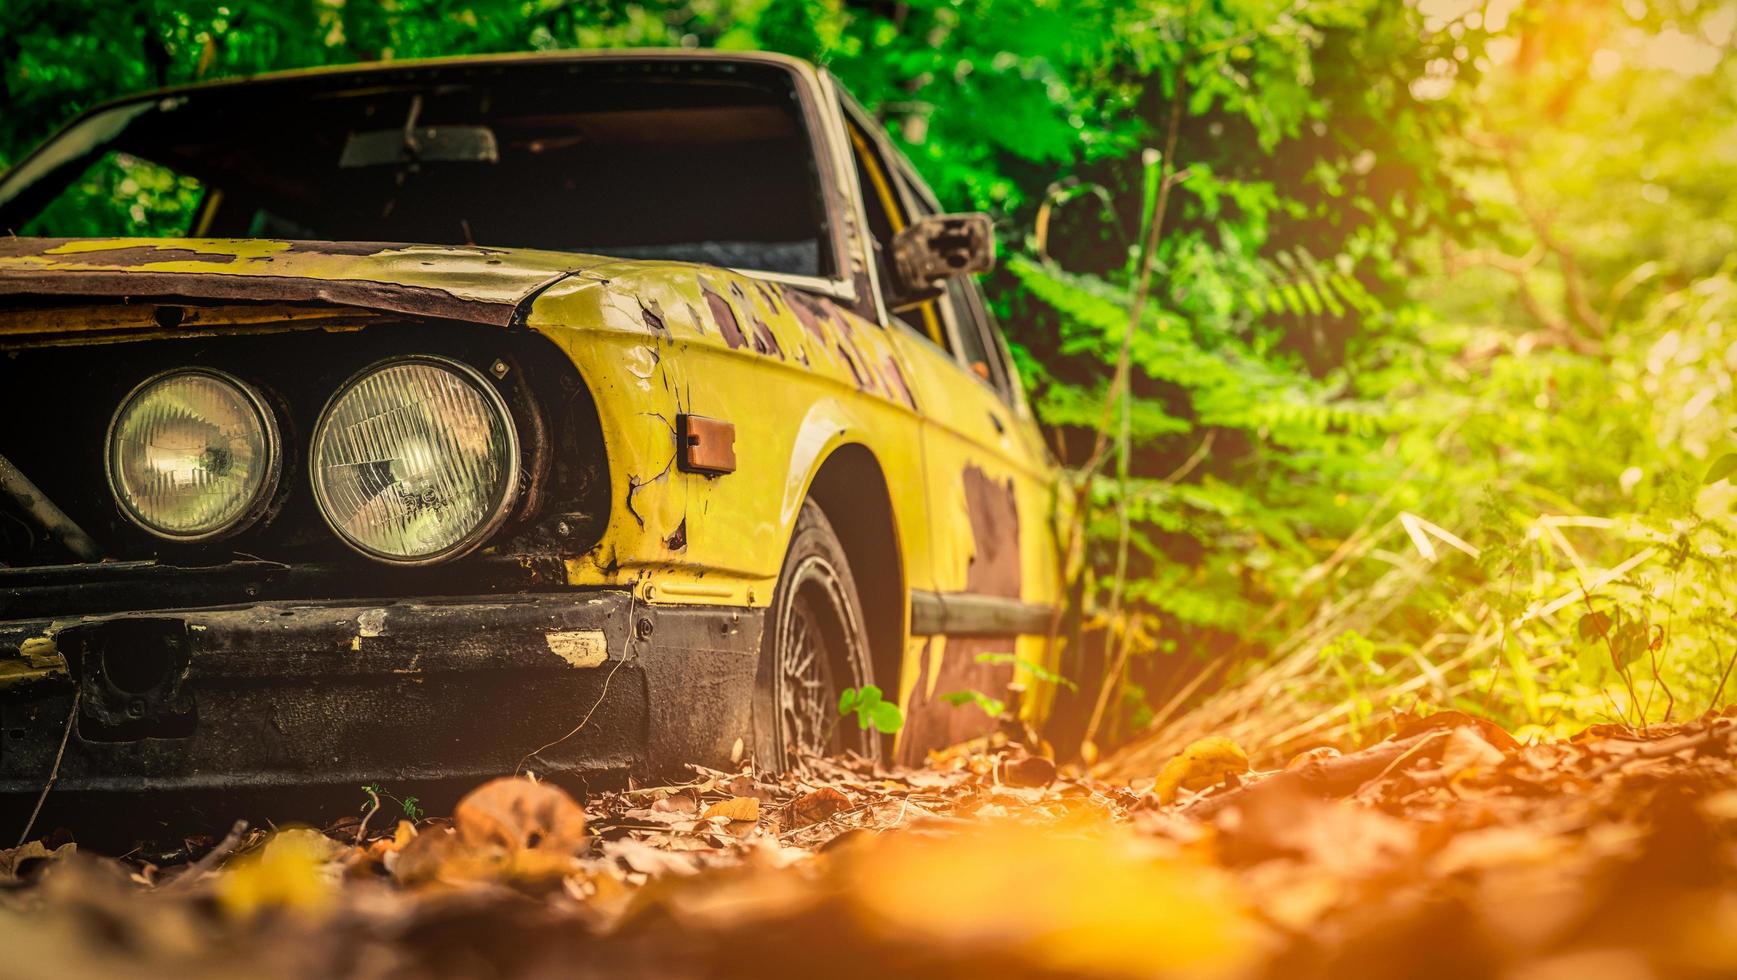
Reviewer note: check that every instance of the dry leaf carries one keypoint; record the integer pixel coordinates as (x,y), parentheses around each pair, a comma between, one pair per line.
(1203,764)
(1467,751)
(744,808)
(20,861)
(508,829)
(1277,818)
(288,872)
(1320,753)
(646,859)
(1031,771)
(1068,905)
(518,815)
(812,808)
(1491,732)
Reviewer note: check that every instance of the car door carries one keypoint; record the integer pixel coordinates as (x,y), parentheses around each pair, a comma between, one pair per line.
(989,481)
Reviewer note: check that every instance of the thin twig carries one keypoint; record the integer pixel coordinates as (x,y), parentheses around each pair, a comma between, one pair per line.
(1121,389)
(1622,670)
(594,705)
(1665,643)
(54,773)
(373,808)
(1502,638)
(1194,460)
(1437,735)
(210,859)
(1729,663)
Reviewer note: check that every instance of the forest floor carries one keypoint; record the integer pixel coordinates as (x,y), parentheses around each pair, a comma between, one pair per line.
(1447,850)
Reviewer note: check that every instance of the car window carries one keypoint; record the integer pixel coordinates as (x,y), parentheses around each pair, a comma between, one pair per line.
(887,216)
(701,163)
(121,196)
(966,320)
(973,344)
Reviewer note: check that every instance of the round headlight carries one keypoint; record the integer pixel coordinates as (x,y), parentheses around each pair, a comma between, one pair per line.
(193,454)
(415,460)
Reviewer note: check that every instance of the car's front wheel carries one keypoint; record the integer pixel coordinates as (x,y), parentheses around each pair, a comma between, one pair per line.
(814,647)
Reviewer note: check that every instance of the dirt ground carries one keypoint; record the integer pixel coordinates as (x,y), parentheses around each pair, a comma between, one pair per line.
(1448,850)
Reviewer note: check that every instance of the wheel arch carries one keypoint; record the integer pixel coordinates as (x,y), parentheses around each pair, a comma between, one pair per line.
(852,490)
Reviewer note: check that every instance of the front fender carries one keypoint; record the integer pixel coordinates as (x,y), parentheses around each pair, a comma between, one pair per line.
(797,376)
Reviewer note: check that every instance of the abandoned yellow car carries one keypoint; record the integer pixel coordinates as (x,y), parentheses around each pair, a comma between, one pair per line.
(432,420)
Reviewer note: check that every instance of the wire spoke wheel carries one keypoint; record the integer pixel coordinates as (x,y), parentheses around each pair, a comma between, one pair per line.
(814,647)
(808,646)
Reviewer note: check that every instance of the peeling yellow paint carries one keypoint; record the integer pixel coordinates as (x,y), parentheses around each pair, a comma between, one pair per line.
(799,376)
(37,659)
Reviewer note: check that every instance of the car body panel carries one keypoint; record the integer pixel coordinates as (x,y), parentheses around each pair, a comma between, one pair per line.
(800,369)
(796,374)
(484,285)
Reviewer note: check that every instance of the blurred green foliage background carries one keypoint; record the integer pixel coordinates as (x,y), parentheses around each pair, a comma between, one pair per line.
(1455,266)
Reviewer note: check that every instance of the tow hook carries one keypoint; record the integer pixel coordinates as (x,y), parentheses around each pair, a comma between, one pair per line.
(132,675)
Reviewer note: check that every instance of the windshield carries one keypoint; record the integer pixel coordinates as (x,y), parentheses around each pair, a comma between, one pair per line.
(703,161)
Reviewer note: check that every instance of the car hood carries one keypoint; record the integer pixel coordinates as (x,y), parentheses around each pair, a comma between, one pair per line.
(460,282)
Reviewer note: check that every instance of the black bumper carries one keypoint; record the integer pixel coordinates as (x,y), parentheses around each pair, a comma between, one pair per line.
(290,695)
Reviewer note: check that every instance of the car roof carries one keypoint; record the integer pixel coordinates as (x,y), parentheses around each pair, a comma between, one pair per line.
(361,70)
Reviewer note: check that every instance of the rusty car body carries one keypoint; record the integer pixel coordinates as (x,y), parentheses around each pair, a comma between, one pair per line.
(694,282)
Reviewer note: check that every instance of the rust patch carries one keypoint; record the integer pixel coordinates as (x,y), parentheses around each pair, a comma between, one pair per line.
(698,321)
(807,315)
(678,538)
(765,341)
(648,311)
(726,318)
(843,322)
(375,248)
(993,512)
(932,722)
(897,385)
(850,362)
(341,248)
(129,256)
(225,286)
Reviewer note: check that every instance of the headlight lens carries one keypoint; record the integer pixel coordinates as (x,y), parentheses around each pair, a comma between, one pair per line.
(415,460)
(193,454)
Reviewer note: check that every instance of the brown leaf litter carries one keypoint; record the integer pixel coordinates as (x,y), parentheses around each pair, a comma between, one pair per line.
(1447,850)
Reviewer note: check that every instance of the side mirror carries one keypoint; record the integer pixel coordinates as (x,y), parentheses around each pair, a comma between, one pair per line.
(936,248)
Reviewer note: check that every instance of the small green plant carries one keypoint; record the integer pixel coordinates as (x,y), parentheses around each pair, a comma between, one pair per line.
(1036,670)
(1351,657)
(870,710)
(993,707)
(409,805)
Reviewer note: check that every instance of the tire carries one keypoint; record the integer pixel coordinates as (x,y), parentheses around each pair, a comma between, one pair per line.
(813,647)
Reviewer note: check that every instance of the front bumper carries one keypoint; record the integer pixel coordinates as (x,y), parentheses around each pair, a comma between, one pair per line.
(401,693)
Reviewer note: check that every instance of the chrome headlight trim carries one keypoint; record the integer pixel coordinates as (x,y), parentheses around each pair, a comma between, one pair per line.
(501,508)
(263,496)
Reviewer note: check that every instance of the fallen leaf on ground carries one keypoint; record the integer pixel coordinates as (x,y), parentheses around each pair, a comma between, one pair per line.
(812,808)
(21,861)
(1319,753)
(1466,750)
(1032,771)
(1201,765)
(288,871)
(744,808)
(519,815)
